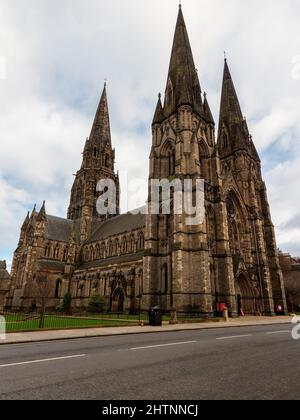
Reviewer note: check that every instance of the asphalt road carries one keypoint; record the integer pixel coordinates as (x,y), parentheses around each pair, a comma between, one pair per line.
(236,363)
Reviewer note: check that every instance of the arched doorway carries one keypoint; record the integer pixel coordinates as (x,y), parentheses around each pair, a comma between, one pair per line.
(246,296)
(118,301)
(57,289)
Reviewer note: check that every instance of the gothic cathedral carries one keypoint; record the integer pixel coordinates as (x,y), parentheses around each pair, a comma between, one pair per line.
(140,260)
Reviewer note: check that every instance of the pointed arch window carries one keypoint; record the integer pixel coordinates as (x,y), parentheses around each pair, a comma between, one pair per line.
(168,163)
(204,161)
(116,247)
(132,244)
(102,251)
(224,140)
(97,252)
(92,253)
(106,161)
(48,251)
(169,93)
(56,252)
(141,241)
(169,225)
(164,279)
(211,230)
(57,289)
(234,225)
(110,249)
(171,158)
(140,282)
(124,245)
(65,254)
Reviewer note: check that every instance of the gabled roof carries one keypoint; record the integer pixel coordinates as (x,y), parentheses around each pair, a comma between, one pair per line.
(118,225)
(122,259)
(58,229)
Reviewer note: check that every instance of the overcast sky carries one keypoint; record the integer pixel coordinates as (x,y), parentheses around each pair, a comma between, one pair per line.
(56,54)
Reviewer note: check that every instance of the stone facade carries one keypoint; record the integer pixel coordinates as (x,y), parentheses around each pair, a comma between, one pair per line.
(136,261)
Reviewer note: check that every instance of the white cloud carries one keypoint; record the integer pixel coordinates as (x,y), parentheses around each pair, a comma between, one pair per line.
(58,54)
(12,204)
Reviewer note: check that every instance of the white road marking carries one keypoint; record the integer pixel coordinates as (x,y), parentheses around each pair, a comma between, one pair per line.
(234,336)
(164,345)
(279,332)
(42,361)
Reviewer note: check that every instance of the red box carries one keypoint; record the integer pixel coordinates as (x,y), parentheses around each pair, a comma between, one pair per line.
(222,307)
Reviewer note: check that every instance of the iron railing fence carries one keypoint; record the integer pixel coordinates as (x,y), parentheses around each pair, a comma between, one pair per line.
(77,318)
(17,321)
(52,320)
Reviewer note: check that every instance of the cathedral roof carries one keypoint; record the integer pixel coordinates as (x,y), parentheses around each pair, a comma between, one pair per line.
(118,225)
(58,229)
(122,259)
(51,265)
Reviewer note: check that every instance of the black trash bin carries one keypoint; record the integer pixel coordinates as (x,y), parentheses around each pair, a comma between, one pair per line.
(155,317)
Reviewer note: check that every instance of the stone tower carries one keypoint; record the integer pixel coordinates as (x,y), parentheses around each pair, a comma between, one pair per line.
(251,232)
(182,262)
(98,163)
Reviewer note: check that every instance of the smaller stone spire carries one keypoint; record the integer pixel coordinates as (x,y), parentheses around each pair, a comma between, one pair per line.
(33,213)
(233,125)
(42,213)
(159,113)
(207,111)
(230,109)
(26,221)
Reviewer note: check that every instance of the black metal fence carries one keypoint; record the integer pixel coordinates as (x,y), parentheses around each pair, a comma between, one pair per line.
(55,320)
(35,320)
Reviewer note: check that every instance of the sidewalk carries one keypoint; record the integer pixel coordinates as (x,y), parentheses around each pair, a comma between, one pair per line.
(40,336)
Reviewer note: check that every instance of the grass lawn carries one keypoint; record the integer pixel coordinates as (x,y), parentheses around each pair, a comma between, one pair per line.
(30,322)
(26,322)
(142,317)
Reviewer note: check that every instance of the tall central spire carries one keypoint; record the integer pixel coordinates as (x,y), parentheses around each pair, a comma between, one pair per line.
(101,128)
(183,85)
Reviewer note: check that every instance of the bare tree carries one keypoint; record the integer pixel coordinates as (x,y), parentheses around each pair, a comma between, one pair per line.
(42,294)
